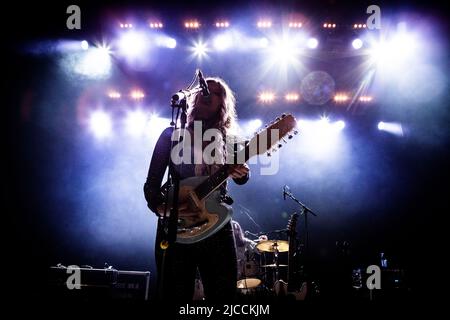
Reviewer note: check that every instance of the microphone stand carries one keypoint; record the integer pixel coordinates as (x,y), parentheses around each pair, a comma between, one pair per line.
(305,211)
(170,222)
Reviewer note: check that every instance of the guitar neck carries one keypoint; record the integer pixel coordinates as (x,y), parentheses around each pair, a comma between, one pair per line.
(260,143)
(212,183)
(219,177)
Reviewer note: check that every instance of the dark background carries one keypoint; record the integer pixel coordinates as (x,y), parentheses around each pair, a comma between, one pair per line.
(391,196)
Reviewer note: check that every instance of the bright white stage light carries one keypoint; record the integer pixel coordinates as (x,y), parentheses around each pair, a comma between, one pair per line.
(222,42)
(395,52)
(357,44)
(266,97)
(133,44)
(340,125)
(95,63)
(284,51)
(167,42)
(155,125)
(136,122)
(391,127)
(312,43)
(320,137)
(100,124)
(84,45)
(199,49)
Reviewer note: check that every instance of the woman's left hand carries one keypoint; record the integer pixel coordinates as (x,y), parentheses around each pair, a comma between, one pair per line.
(237,171)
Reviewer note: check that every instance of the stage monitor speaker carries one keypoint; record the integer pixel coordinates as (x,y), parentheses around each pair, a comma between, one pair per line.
(90,283)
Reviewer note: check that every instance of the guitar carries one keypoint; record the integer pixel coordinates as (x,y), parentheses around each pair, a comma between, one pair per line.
(289,289)
(201,192)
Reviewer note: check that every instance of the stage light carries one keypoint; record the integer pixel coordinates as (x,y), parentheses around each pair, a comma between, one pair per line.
(394,53)
(165,41)
(222,24)
(100,124)
(266,97)
(340,125)
(155,25)
(171,43)
(291,97)
(114,95)
(136,122)
(321,137)
(283,52)
(193,24)
(391,127)
(341,97)
(95,63)
(137,95)
(329,25)
(357,44)
(133,44)
(222,42)
(126,25)
(264,24)
(155,125)
(365,99)
(312,43)
(84,45)
(199,49)
(295,24)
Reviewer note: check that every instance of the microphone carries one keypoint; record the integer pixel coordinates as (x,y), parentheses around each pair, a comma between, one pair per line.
(203,84)
(183,94)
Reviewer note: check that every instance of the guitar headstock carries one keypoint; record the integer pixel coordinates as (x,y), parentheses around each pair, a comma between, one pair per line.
(269,139)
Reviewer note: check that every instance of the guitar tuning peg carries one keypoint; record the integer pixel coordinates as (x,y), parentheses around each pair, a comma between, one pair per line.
(290,136)
(277,119)
(269,154)
(283,115)
(280,145)
(295,132)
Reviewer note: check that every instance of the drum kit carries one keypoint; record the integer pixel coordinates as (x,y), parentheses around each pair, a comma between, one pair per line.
(262,270)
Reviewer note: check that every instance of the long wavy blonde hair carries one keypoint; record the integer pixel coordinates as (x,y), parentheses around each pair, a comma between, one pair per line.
(226,118)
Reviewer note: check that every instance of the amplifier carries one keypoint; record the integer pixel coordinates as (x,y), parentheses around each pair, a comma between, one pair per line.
(84,283)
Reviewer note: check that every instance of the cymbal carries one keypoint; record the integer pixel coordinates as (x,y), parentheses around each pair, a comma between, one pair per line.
(273,265)
(270,245)
(248,283)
